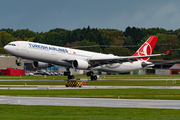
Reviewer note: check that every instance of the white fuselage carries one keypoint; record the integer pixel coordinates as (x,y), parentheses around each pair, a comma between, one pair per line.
(62,56)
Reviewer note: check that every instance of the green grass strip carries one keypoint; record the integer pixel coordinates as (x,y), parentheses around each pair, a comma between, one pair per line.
(99,83)
(18,112)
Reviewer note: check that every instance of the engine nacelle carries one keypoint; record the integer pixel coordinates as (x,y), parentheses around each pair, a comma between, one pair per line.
(80,64)
(145,64)
(41,65)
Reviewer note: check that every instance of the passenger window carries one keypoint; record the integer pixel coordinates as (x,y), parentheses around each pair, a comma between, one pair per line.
(12,44)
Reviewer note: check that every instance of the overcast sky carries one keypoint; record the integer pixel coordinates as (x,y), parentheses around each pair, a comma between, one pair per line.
(43,15)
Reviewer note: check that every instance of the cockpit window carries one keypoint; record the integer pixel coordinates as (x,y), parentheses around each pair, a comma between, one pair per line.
(12,44)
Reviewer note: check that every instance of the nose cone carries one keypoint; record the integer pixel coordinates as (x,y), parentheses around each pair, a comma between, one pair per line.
(7,49)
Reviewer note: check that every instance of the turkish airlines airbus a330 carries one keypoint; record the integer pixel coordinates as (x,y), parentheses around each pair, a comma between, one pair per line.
(44,55)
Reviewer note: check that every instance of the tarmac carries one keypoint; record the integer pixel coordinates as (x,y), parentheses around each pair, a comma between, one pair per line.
(91,102)
(88,102)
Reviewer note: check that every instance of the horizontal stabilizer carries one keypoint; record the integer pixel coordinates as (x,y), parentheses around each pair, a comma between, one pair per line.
(167,52)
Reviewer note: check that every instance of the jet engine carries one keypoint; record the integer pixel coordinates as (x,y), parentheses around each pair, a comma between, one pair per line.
(41,65)
(80,64)
(149,64)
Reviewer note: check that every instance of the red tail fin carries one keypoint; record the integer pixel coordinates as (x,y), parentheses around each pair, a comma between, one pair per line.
(146,48)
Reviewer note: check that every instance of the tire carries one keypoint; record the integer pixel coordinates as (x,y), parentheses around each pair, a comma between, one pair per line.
(66,73)
(70,76)
(92,78)
(95,77)
(89,74)
(19,64)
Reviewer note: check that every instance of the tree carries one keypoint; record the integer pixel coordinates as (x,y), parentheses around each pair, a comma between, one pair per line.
(178,36)
(69,38)
(73,44)
(52,38)
(169,42)
(135,33)
(90,46)
(116,47)
(38,38)
(128,43)
(7,30)
(5,38)
(23,34)
(58,30)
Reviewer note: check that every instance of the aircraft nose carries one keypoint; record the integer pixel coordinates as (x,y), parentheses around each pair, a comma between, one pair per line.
(6,48)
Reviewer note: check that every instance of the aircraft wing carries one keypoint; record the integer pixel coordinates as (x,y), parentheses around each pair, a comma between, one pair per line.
(101,61)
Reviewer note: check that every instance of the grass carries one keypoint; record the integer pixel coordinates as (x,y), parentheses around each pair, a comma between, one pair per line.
(32,82)
(18,112)
(136,83)
(34,77)
(120,76)
(171,94)
(99,83)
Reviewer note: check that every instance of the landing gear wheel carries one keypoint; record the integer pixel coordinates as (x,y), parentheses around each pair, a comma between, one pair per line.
(94,77)
(70,76)
(67,73)
(89,73)
(19,64)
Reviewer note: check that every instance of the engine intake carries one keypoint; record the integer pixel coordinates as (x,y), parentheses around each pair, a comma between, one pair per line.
(41,65)
(80,64)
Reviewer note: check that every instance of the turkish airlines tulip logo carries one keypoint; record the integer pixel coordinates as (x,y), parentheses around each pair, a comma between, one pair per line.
(144,51)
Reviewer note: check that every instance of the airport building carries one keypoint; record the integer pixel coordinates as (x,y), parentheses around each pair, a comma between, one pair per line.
(7,61)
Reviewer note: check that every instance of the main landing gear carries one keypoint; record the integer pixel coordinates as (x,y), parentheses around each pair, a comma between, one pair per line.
(90,73)
(18,61)
(68,73)
(93,77)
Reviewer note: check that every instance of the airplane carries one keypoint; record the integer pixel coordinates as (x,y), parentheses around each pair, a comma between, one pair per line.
(44,55)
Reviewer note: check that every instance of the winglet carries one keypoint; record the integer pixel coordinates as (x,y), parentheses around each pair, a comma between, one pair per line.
(167,52)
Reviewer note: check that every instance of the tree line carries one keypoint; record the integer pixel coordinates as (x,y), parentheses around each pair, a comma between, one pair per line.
(109,41)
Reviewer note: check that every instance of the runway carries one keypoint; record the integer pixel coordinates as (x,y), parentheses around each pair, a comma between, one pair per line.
(91,102)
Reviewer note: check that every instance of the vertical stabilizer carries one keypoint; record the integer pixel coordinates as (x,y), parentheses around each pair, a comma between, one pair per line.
(146,48)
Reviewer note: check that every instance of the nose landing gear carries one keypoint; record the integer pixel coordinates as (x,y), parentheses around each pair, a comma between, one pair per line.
(18,62)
